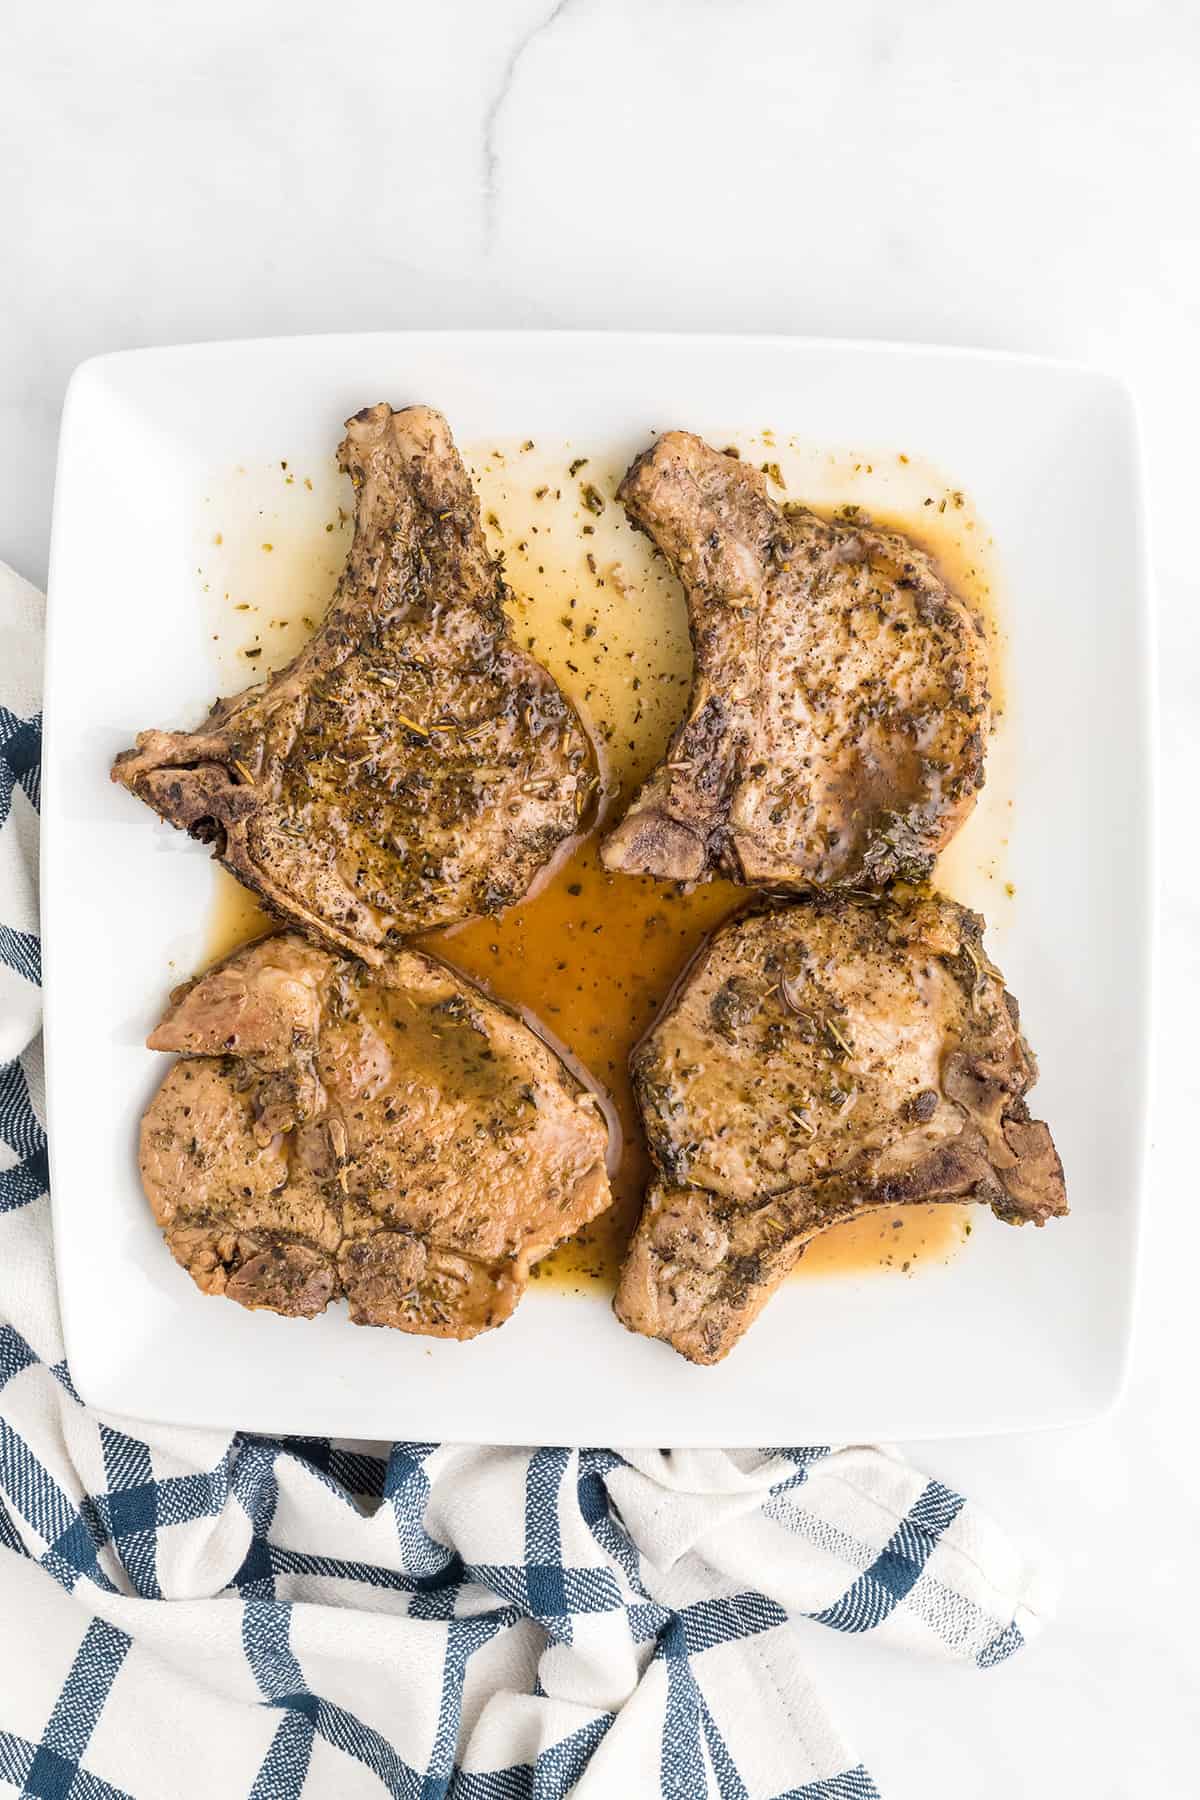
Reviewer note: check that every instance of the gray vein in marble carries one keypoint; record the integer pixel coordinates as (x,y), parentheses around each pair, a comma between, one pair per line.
(491,118)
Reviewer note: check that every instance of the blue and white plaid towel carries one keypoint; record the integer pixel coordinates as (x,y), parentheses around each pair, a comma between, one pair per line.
(185,1614)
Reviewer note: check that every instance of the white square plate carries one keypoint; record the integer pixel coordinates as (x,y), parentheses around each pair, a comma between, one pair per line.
(1024,1328)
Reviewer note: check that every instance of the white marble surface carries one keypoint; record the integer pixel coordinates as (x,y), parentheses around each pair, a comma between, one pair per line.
(1020,176)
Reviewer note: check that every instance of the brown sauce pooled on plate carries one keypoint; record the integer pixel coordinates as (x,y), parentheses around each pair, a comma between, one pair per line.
(592,956)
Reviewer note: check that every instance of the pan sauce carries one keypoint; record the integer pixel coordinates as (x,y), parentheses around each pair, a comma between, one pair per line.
(589,954)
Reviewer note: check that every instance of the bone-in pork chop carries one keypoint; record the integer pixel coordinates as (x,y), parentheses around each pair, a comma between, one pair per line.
(840,706)
(391,1134)
(410,767)
(820,1060)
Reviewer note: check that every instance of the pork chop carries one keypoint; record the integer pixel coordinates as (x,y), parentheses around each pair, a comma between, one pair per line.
(820,1060)
(410,767)
(840,706)
(391,1134)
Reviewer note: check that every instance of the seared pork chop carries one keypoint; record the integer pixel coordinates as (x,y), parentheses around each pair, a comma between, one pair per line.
(410,767)
(840,706)
(390,1134)
(826,1058)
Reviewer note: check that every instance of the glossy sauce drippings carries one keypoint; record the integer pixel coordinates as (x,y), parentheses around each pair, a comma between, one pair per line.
(593,955)
(235,917)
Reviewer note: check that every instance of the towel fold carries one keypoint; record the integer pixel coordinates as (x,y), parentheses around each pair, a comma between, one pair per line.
(416,1619)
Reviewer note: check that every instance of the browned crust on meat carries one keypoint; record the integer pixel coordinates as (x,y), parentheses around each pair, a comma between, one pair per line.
(840,707)
(838,1056)
(411,766)
(393,1135)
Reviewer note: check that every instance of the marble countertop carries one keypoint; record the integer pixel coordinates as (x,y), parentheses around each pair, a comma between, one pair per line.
(1020,177)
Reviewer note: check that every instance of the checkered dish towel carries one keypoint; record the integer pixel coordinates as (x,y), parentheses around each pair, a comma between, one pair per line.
(188,1614)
